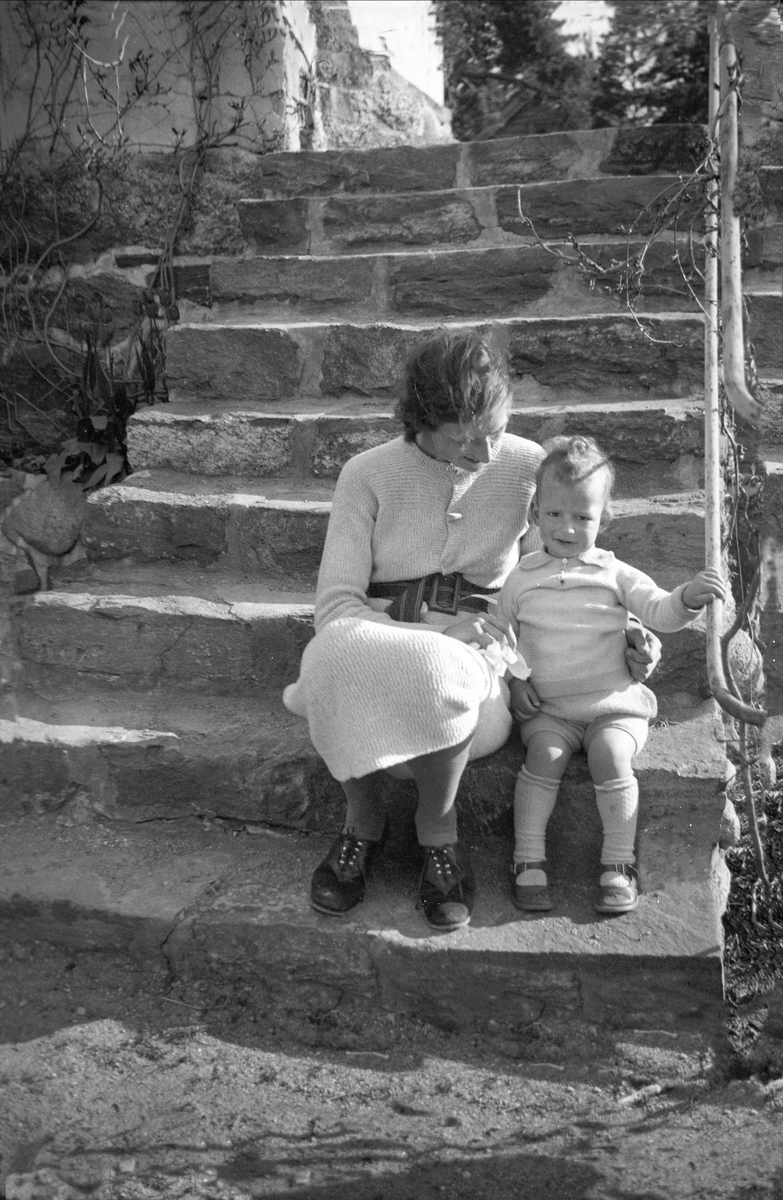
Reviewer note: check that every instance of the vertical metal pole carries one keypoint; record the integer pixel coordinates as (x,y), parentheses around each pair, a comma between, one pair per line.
(719,211)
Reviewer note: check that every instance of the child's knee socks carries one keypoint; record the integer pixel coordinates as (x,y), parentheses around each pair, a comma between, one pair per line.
(534,800)
(618,805)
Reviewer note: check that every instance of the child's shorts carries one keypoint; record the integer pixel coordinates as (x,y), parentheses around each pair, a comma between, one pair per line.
(579,735)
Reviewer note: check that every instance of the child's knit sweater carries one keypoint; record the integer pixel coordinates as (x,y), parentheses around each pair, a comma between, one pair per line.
(570,615)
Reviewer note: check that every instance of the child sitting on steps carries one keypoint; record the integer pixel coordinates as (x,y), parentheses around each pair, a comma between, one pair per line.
(568,604)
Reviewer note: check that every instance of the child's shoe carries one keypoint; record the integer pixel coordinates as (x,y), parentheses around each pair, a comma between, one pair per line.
(618,889)
(531,895)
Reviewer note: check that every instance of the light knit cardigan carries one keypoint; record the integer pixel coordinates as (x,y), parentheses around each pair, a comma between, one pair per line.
(377,692)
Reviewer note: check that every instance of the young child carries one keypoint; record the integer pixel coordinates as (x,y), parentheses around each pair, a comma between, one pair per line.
(568,604)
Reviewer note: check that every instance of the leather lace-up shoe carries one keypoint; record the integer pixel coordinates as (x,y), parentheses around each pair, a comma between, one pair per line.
(447,889)
(340,881)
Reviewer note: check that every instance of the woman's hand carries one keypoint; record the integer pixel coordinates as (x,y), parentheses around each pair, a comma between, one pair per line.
(482,629)
(705,587)
(643,652)
(524,699)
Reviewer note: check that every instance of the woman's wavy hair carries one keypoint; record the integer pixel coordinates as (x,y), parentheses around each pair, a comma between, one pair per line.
(452,378)
(573,458)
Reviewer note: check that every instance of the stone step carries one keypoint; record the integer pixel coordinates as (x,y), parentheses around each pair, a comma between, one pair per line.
(161,515)
(576,154)
(552,360)
(656,446)
(263,528)
(173,626)
(236,905)
(498,281)
(488,216)
(765,318)
(82,750)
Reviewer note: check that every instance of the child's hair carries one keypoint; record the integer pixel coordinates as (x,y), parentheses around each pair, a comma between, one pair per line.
(453,377)
(570,459)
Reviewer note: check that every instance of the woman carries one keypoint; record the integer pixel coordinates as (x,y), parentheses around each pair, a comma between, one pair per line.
(422,529)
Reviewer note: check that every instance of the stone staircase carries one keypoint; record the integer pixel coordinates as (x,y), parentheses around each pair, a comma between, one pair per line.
(150,677)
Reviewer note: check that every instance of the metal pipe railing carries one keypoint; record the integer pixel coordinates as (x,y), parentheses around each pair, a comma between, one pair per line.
(727,255)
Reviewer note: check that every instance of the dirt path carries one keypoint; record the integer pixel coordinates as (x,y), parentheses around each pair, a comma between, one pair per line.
(116,1087)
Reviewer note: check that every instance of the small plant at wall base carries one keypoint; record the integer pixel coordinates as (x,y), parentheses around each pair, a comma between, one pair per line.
(101,401)
(81,346)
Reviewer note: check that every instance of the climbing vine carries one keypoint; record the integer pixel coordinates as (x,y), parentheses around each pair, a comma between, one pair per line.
(75,180)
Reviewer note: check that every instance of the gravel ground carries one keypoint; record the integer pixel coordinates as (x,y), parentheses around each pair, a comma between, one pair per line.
(119,1083)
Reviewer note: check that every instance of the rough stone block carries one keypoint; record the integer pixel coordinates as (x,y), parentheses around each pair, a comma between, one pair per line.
(765,320)
(610,356)
(412,220)
(297,284)
(655,150)
(388,169)
(338,440)
(230,444)
(637,435)
(765,247)
(366,358)
(193,282)
(537,157)
(494,281)
(771,184)
(240,363)
(279,537)
(48,517)
(276,226)
(594,206)
(131,522)
(179,642)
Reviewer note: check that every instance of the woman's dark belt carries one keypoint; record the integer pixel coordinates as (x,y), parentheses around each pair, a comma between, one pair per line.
(441,593)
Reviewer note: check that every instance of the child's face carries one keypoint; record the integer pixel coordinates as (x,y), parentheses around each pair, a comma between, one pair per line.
(568,513)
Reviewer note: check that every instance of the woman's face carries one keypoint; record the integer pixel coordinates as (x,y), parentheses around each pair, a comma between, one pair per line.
(469,446)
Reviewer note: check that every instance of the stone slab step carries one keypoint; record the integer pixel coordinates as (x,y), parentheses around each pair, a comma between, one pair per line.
(655,150)
(149,628)
(85,752)
(497,281)
(552,360)
(656,446)
(349,224)
(237,904)
(165,641)
(162,515)
(179,518)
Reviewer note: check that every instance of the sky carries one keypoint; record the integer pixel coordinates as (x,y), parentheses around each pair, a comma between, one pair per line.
(588,18)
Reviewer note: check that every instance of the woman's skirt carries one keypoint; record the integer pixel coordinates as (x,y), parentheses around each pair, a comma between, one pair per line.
(376,695)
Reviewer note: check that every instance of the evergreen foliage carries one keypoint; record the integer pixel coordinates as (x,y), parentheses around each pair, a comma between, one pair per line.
(654,64)
(502,55)
(508,61)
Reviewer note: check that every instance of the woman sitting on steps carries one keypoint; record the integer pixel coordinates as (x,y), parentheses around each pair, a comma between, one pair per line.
(423,529)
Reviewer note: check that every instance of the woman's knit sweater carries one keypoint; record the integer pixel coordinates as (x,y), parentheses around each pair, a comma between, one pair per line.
(399,514)
(375,692)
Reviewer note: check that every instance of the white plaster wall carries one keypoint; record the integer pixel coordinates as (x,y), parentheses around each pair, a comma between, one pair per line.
(117,32)
(404,30)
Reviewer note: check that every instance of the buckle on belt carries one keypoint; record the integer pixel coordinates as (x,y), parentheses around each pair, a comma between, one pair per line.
(440,581)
